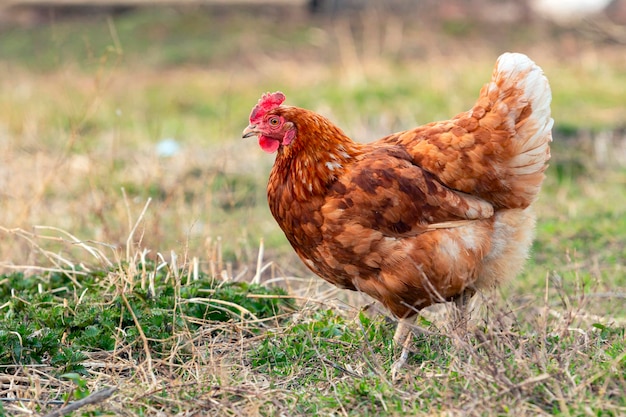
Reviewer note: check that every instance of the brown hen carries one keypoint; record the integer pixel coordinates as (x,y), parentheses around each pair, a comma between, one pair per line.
(418,217)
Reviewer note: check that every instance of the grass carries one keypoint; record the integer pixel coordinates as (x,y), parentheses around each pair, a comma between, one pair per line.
(88,316)
(124,266)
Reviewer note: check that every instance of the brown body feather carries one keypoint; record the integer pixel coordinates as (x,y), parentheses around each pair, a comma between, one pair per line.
(418,216)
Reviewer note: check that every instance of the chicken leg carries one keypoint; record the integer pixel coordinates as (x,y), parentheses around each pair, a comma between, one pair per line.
(403,337)
(404,334)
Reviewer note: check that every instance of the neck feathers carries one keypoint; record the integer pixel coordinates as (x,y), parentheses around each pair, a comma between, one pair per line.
(318,155)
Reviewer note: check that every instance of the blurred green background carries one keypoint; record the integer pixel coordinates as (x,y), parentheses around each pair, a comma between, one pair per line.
(104,106)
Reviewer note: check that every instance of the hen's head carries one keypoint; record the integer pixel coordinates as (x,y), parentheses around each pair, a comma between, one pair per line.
(269,125)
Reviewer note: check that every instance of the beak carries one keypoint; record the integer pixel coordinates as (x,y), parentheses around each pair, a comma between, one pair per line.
(250,131)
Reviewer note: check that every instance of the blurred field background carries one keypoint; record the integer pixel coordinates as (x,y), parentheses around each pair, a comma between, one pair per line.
(120,127)
(93,98)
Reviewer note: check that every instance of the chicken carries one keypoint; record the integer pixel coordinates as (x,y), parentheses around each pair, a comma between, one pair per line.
(423,216)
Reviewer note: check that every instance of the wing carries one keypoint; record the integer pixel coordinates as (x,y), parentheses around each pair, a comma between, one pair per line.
(385,191)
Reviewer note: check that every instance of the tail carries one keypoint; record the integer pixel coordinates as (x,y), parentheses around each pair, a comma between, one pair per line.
(499,149)
(519,99)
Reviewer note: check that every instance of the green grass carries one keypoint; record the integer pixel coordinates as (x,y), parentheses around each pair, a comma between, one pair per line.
(539,362)
(331,363)
(49,315)
(120,267)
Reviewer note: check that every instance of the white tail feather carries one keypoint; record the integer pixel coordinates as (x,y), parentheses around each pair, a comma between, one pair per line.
(516,75)
(517,71)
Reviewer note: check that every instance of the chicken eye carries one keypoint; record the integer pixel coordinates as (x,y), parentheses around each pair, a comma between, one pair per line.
(274,121)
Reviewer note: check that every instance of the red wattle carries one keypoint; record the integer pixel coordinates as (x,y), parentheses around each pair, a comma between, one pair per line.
(269,145)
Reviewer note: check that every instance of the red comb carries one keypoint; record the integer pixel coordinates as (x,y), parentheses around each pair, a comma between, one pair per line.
(267,102)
